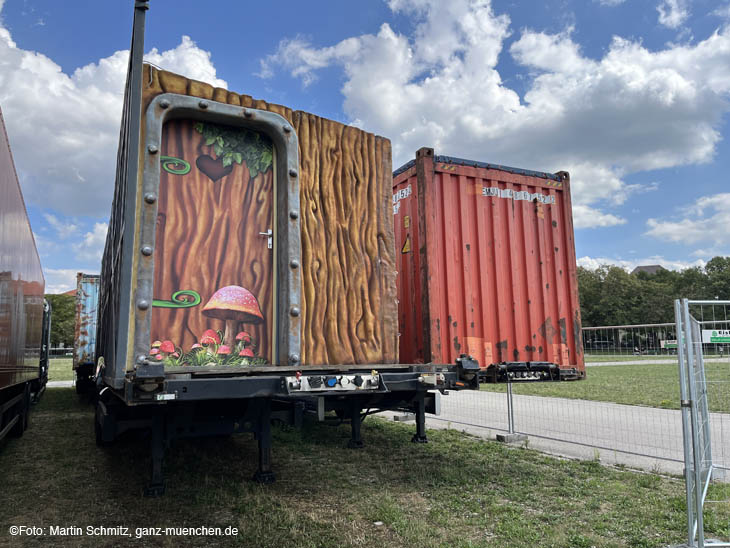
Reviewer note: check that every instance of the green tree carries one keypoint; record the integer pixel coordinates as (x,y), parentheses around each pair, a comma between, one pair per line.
(63,317)
(718,278)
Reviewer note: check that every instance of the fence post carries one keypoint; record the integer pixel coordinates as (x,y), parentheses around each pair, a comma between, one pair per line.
(511,436)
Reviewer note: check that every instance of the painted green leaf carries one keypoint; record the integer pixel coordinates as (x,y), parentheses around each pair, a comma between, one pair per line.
(227,160)
(238,157)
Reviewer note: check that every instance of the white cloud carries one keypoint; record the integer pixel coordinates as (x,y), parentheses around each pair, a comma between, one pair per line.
(593,263)
(672,13)
(64,128)
(587,217)
(91,247)
(59,280)
(610,3)
(633,110)
(64,229)
(722,12)
(705,221)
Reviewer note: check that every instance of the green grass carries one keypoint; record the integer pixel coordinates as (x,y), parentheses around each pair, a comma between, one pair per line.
(651,384)
(455,491)
(60,369)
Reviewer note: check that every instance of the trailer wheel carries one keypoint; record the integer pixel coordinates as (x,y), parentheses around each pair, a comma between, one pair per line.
(98,430)
(23,411)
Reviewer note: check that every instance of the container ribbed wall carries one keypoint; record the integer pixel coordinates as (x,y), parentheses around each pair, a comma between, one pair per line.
(486,264)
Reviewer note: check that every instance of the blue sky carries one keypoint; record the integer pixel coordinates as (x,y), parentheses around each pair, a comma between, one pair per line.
(629,96)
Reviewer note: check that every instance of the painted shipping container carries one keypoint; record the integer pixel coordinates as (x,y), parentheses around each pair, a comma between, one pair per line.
(486,264)
(87,299)
(276,243)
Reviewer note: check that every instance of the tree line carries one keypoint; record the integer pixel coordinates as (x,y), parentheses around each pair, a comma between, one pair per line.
(611,296)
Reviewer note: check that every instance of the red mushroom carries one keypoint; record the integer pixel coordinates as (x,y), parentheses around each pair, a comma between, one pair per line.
(158,357)
(246,352)
(223,349)
(196,346)
(243,336)
(156,344)
(234,305)
(154,351)
(210,337)
(167,347)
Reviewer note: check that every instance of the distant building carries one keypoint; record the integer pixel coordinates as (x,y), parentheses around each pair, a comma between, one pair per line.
(649,269)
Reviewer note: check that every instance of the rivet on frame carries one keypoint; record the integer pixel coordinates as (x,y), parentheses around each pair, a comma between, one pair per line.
(143,304)
(247,113)
(141,359)
(294,263)
(152,149)
(287,129)
(293,172)
(203,104)
(147,250)
(294,214)
(164,103)
(150,198)
(294,358)
(294,311)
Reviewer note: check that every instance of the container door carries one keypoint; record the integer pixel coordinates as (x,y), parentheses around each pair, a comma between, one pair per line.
(214,280)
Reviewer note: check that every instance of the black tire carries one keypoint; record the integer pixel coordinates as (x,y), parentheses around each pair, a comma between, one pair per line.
(100,441)
(23,412)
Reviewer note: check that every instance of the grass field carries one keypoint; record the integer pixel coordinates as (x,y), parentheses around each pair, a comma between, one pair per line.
(652,384)
(60,369)
(455,491)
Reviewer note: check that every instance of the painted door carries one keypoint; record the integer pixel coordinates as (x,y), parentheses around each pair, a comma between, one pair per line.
(214,278)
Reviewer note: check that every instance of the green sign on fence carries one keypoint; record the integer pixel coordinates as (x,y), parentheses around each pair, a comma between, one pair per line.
(716,335)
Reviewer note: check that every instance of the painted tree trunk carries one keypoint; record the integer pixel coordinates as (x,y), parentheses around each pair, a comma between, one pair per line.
(349,307)
(207,238)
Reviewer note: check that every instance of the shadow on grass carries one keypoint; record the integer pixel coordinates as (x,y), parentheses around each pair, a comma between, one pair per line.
(453,491)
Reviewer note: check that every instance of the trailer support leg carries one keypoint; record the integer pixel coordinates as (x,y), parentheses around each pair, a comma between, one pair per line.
(420,435)
(355,441)
(156,486)
(264,474)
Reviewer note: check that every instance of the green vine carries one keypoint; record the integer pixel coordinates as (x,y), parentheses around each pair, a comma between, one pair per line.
(179,299)
(176,166)
(238,145)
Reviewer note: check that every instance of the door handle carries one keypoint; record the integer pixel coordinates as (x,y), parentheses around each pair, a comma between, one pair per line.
(270,238)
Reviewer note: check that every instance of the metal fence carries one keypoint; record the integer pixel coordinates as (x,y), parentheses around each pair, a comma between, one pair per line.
(706,435)
(646,341)
(640,436)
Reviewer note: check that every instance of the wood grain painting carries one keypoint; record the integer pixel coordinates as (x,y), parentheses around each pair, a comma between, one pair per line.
(213,282)
(349,298)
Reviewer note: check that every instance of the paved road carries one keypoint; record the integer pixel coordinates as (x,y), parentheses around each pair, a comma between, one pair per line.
(59,384)
(639,437)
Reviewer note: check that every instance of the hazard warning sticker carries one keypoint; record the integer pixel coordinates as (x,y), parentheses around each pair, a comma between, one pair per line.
(406,245)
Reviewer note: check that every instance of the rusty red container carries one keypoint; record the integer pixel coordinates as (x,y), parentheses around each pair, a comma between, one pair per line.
(486,264)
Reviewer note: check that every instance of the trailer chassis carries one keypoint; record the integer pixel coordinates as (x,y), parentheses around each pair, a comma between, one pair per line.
(185,405)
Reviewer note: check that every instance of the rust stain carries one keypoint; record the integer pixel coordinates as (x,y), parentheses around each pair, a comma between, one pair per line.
(547,330)
(457,346)
(563,333)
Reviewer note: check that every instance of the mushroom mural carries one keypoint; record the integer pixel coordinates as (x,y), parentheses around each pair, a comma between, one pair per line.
(235,305)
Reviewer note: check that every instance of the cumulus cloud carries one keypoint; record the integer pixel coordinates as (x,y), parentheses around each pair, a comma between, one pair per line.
(91,247)
(64,128)
(672,13)
(63,229)
(705,221)
(632,110)
(593,263)
(59,280)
